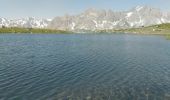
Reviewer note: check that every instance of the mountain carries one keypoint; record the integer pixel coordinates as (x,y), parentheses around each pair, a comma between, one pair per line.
(25,22)
(93,19)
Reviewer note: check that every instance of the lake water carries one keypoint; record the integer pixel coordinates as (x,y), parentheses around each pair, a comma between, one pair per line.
(84,67)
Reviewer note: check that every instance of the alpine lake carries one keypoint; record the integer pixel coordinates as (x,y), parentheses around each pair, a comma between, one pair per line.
(84,67)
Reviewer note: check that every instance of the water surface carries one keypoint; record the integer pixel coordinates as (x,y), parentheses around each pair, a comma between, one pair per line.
(84,67)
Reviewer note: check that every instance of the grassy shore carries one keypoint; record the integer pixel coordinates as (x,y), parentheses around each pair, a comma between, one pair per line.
(167,37)
(30,30)
(162,29)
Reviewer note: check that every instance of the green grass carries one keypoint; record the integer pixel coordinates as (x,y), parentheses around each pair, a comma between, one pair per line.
(167,37)
(162,29)
(30,30)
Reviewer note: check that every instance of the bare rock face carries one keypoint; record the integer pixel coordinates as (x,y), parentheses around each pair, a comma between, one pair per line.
(93,19)
(25,22)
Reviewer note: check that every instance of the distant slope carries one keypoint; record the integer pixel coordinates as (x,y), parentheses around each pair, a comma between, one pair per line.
(29,22)
(30,30)
(95,19)
(162,29)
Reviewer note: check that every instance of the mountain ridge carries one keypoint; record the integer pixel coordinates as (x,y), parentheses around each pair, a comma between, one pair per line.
(93,19)
(29,22)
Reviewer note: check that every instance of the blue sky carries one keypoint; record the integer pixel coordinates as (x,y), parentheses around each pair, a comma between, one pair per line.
(52,8)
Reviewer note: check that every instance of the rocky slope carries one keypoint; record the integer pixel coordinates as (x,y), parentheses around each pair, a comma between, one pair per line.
(25,22)
(93,19)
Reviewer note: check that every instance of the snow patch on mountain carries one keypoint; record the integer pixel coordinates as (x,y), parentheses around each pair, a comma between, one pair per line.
(138,8)
(73,25)
(25,22)
(93,19)
(129,14)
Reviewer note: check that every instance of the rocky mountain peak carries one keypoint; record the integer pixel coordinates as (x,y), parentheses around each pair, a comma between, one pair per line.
(29,22)
(95,19)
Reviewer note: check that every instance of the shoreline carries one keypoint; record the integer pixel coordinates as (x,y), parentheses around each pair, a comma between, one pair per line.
(160,30)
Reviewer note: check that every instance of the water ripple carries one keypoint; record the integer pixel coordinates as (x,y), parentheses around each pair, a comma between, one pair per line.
(84,67)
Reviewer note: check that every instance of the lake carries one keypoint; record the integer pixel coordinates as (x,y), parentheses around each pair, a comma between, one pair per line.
(84,67)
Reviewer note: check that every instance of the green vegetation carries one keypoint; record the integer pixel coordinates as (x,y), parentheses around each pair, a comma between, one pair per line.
(168,37)
(30,30)
(162,29)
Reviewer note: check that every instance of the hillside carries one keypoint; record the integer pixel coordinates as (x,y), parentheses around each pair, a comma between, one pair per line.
(30,30)
(162,29)
(94,19)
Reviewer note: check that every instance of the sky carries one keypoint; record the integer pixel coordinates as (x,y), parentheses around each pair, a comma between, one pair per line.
(53,8)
